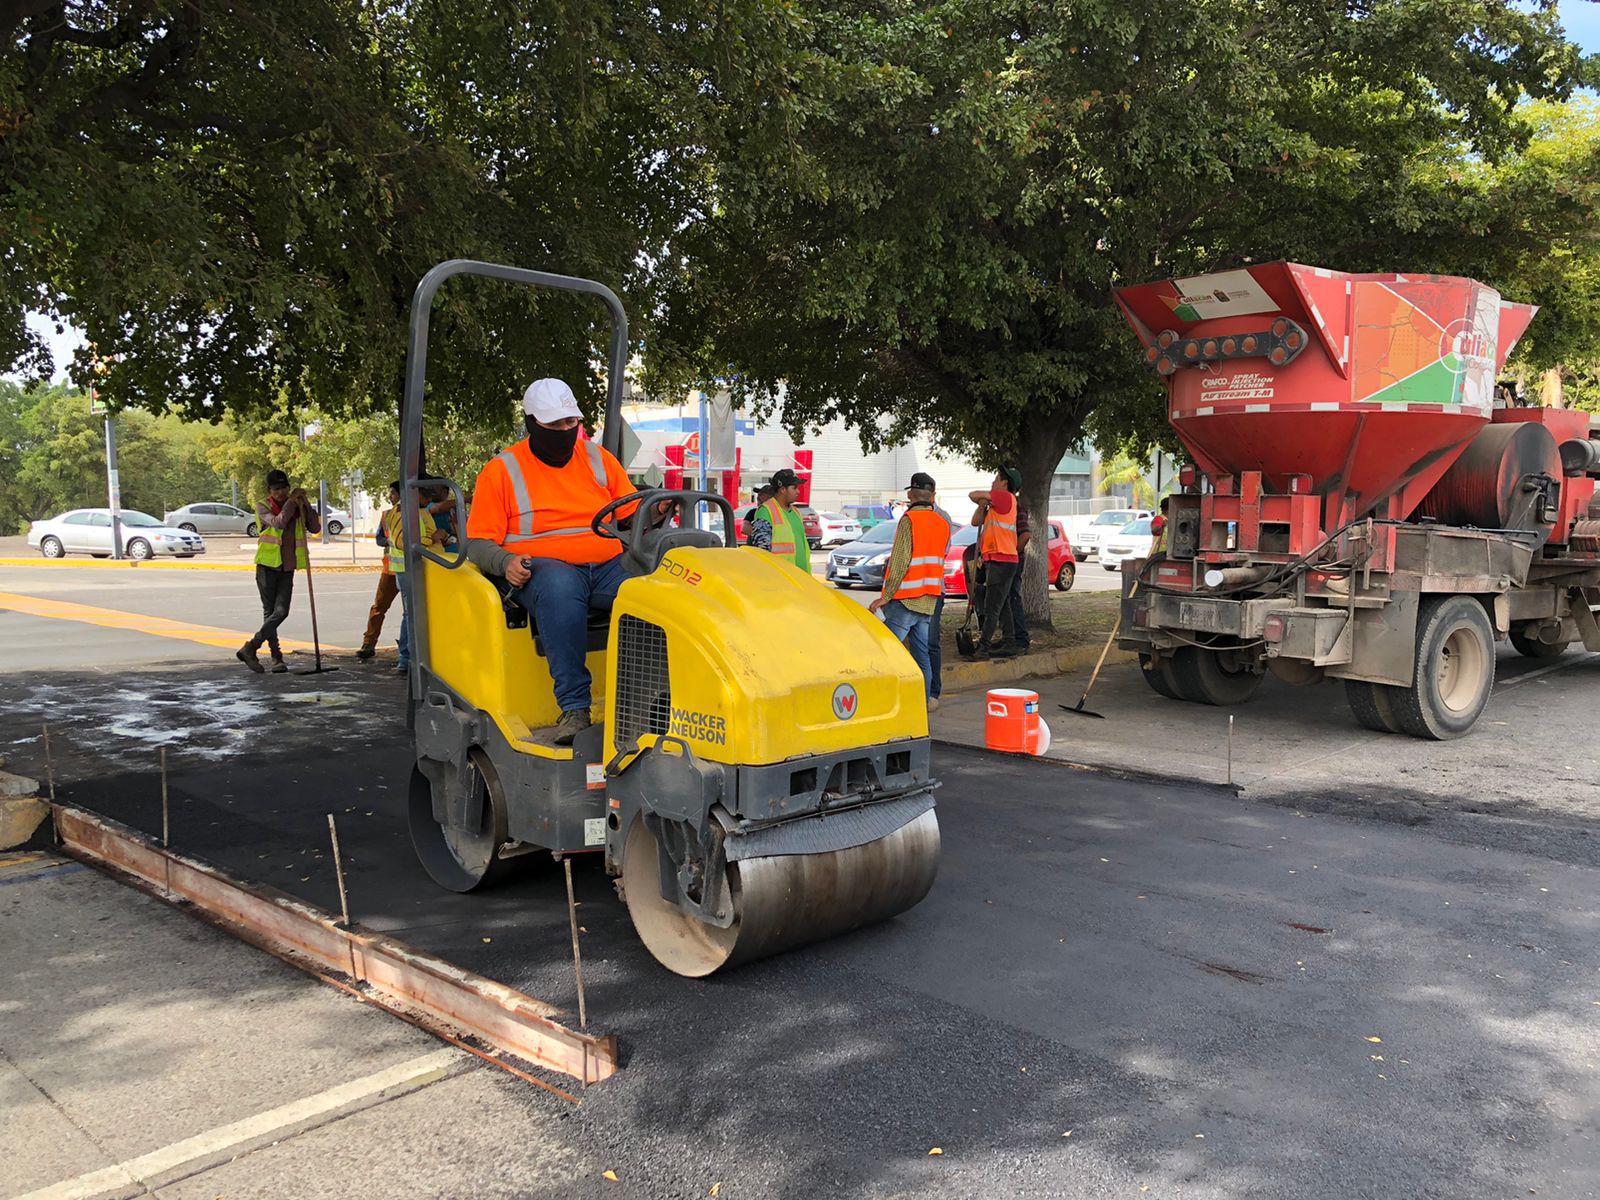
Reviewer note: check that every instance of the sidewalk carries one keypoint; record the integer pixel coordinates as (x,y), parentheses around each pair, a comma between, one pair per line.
(145,1051)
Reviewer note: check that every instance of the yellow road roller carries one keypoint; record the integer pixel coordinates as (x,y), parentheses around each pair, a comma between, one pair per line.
(758,777)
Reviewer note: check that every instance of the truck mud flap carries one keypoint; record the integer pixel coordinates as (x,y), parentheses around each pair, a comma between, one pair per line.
(825,832)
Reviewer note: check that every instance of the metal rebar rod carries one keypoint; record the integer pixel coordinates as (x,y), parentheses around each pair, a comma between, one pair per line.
(577,956)
(338,872)
(166,825)
(1230,749)
(49,764)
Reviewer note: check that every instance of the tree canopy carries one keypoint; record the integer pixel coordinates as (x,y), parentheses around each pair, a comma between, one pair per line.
(930,224)
(235,202)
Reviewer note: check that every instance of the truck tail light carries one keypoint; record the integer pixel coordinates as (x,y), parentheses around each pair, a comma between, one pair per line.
(1272,628)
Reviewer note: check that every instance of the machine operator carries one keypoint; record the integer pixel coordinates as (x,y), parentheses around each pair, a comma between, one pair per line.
(531,510)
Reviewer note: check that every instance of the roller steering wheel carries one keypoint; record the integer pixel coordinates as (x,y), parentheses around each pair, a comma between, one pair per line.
(649,525)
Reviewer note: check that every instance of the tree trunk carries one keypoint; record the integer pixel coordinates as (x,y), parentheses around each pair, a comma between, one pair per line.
(1037,461)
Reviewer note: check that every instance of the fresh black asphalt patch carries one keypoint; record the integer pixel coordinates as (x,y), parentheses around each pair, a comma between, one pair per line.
(1212,996)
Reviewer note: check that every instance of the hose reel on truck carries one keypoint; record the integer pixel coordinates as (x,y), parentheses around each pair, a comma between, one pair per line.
(750,794)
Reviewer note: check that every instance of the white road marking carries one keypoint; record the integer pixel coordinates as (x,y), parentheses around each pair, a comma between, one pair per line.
(1569,660)
(194,1154)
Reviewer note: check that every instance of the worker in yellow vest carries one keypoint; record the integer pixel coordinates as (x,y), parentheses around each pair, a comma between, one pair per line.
(913,581)
(777,527)
(1158,526)
(284,519)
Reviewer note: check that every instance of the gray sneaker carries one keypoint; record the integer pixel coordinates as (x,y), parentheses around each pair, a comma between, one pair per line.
(573,722)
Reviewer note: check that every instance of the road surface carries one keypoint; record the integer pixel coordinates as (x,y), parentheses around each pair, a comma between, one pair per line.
(1213,996)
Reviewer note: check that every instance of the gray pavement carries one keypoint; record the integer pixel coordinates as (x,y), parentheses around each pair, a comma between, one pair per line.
(1186,980)
(130,1027)
(1527,777)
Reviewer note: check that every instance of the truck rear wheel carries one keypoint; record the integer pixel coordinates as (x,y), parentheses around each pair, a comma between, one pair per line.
(1454,669)
(1159,676)
(1217,677)
(1531,647)
(1373,705)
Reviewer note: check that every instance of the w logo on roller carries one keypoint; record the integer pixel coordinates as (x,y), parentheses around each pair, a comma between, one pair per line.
(844,701)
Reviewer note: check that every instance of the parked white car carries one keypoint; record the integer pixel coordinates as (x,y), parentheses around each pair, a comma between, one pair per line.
(213,518)
(338,521)
(1133,540)
(88,531)
(1088,542)
(837,529)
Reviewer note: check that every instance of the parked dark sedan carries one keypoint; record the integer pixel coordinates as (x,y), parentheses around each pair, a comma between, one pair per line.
(862,563)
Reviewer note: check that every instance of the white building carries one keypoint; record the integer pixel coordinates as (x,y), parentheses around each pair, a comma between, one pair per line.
(842,473)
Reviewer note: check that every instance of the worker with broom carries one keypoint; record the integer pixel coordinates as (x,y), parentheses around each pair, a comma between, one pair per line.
(283,519)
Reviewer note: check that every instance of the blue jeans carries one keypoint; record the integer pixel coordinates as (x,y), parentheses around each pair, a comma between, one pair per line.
(912,629)
(560,595)
(403,578)
(936,650)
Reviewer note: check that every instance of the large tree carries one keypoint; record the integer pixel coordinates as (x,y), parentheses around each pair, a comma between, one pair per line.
(927,219)
(235,201)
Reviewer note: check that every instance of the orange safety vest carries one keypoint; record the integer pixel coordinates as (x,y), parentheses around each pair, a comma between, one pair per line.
(930,540)
(547,508)
(999,534)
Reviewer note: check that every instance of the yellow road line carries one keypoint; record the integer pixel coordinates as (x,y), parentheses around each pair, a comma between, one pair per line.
(110,618)
(161,565)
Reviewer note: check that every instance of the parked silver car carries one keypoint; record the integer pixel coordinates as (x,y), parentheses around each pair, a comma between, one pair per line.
(213,518)
(88,531)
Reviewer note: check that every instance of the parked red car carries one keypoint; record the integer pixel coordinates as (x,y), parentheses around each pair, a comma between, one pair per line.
(1063,567)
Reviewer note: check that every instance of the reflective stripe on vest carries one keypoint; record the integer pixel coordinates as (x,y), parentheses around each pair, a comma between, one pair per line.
(930,540)
(999,534)
(269,546)
(521,529)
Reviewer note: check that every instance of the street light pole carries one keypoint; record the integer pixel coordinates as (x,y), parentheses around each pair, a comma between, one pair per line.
(97,368)
(113,486)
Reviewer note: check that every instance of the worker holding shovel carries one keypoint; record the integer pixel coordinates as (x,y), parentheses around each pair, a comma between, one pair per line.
(284,519)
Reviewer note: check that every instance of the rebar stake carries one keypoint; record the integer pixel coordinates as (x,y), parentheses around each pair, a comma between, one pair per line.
(338,872)
(166,827)
(577,956)
(49,764)
(1230,749)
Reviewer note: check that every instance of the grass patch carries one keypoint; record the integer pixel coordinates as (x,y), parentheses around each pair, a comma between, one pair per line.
(1075,620)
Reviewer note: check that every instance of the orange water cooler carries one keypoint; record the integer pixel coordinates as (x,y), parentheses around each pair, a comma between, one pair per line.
(1012,722)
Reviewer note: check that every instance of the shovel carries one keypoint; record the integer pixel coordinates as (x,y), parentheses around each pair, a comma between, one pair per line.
(1078,709)
(316,642)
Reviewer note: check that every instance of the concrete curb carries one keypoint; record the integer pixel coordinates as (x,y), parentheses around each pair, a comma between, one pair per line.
(21,812)
(959,675)
(156,564)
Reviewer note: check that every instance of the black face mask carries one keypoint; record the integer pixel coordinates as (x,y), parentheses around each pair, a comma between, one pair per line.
(553,447)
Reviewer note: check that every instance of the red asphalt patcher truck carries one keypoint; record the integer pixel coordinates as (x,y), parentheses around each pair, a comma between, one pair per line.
(1363,503)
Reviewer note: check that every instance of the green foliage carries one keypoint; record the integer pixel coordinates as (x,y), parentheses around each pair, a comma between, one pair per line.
(53,457)
(922,232)
(237,203)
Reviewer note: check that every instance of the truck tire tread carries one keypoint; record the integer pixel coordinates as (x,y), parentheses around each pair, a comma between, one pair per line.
(1418,709)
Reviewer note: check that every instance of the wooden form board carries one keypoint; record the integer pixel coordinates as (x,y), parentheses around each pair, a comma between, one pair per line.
(499,1016)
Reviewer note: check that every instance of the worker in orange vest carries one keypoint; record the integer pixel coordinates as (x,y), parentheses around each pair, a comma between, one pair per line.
(996,518)
(913,581)
(531,510)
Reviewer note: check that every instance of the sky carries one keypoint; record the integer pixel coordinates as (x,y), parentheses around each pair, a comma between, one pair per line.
(1581,18)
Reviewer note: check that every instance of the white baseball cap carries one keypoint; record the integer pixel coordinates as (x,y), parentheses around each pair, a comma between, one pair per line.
(549,400)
